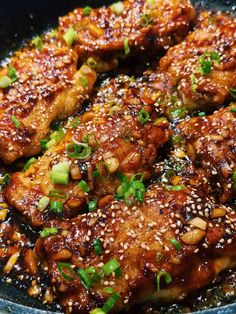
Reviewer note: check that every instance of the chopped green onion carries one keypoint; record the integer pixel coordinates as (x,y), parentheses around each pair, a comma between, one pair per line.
(215,56)
(50,143)
(60,173)
(108,290)
(93,140)
(57,194)
(75,123)
(110,302)
(159,257)
(232,92)
(97,311)
(194,83)
(144,20)
(206,60)
(166,276)
(37,42)
(118,272)
(177,245)
(176,139)
(84,186)
(117,7)
(66,271)
(177,113)
(87,10)
(6,179)
(92,206)
(234,180)
(43,143)
(143,116)
(97,245)
(88,276)
(5,81)
(30,162)
(99,170)
(70,36)
(55,137)
(91,63)
(84,81)
(201,114)
(110,266)
(56,125)
(15,121)
(46,232)
(56,207)
(12,73)
(80,151)
(126,134)
(206,67)
(179,187)
(43,203)
(126,46)
(233,109)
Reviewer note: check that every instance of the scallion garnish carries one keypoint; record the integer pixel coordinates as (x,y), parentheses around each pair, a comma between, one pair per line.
(84,81)
(87,10)
(57,194)
(110,302)
(100,170)
(91,139)
(194,83)
(55,137)
(84,186)
(12,73)
(56,207)
(233,92)
(79,151)
(97,311)
(6,179)
(37,42)
(144,20)
(43,144)
(126,46)
(177,113)
(46,232)
(70,36)
(97,245)
(206,61)
(15,121)
(75,123)
(60,173)
(43,203)
(143,116)
(92,206)
(5,81)
(110,267)
(66,271)
(30,162)
(179,187)
(176,244)
(56,125)
(232,108)
(201,114)
(91,63)
(176,139)
(166,276)
(88,276)
(234,180)
(108,290)
(117,7)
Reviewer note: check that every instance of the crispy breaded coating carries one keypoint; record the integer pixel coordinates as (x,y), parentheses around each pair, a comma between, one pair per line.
(119,142)
(203,66)
(211,143)
(183,233)
(136,27)
(47,87)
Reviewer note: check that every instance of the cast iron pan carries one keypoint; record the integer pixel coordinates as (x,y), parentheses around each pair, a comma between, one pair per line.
(20,20)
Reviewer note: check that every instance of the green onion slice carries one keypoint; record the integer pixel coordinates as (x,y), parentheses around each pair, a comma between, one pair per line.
(97,244)
(87,10)
(15,121)
(84,81)
(84,186)
(79,151)
(60,173)
(43,203)
(66,271)
(37,42)
(92,206)
(176,244)
(233,92)
(88,276)
(126,46)
(91,63)
(110,266)
(110,302)
(30,162)
(117,7)
(232,109)
(144,20)
(12,73)
(143,116)
(166,276)
(57,194)
(46,232)
(97,311)
(70,36)
(56,207)
(5,81)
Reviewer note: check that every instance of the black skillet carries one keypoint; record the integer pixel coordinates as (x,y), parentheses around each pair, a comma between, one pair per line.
(20,20)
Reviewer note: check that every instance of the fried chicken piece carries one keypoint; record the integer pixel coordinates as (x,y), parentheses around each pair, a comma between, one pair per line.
(120,134)
(211,143)
(133,27)
(203,66)
(183,235)
(47,87)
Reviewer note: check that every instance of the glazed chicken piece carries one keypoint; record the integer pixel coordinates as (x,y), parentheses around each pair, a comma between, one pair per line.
(45,86)
(128,27)
(172,244)
(117,135)
(203,66)
(211,143)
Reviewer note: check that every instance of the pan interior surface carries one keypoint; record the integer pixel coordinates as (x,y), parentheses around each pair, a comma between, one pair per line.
(20,20)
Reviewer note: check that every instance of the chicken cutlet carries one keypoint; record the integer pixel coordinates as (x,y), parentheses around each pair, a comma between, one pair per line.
(38,87)
(203,66)
(210,142)
(172,244)
(117,135)
(127,27)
